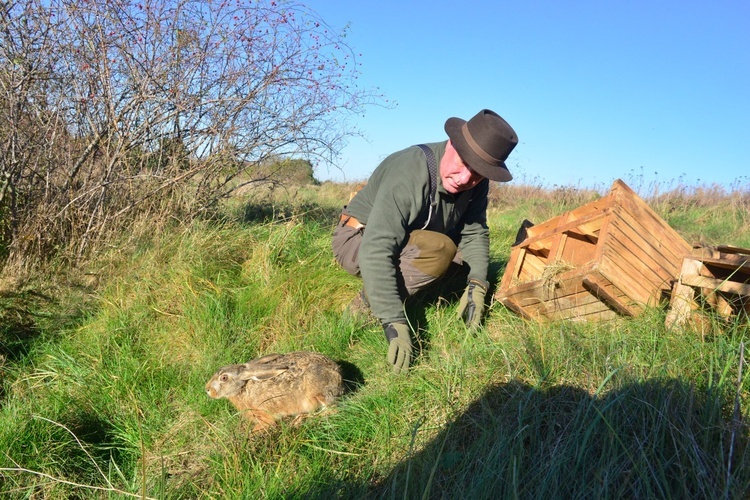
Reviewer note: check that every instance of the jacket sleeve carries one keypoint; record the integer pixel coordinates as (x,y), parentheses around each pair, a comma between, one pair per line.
(395,209)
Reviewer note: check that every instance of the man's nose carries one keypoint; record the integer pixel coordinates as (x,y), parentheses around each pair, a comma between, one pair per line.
(464,177)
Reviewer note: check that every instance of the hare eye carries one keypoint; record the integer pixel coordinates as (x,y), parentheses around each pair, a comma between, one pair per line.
(224,377)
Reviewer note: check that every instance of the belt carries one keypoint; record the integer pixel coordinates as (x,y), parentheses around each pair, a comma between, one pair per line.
(350,221)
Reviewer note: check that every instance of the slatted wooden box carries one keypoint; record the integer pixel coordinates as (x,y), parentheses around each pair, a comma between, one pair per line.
(608,257)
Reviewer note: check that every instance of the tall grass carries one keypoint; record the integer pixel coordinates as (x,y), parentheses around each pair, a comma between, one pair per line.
(106,398)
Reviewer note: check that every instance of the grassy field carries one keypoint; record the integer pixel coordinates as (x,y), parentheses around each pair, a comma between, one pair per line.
(103,370)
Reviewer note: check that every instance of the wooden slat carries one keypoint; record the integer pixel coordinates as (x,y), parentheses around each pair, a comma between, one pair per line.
(590,229)
(559,308)
(716,284)
(653,264)
(666,250)
(564,227)
(569,297)
(659,234)
(513,267)
(734,263)
(627,277)
(515,307)
(577,300)
(534,299)
(733,250)
(681,305)
(577,249)
(532,267)
(602,290)
(597,312)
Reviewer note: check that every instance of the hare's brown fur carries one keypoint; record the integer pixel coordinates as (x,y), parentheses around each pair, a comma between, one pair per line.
(274,386)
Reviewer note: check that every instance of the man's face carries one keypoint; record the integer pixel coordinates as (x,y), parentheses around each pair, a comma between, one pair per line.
(455,174)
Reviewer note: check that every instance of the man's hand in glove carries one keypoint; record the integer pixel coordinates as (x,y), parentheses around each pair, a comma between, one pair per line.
(399,346)
(471,305)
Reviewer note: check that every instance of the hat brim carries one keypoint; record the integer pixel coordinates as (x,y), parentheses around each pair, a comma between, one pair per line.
(498,173)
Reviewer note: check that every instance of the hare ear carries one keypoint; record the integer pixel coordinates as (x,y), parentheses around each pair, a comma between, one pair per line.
(252,371)
(264,359)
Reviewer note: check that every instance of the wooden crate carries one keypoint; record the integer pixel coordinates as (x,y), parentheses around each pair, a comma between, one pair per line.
(610,257)
(712,278)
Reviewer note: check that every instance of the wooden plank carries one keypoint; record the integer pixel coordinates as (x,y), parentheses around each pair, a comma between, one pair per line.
(733,263)
(564,227)
(648,262)
(602,291)
(577,249)
(569,314)
(532,296)
(515,307)
(733,250)
(540,246)
(656,231)
(557,241)
(604,281)
(579,304)
(590,229)
(717,301)
(653,241)
(532,267)
(583,213)
(693,274)
(599,313)
(527,285)
(700,250)
(626,276)
(535,300)
(579,300)
(665,252)
(569,298)
(568,306)
(681,305)
(513,267)
(603,237)
(716,284)
(639,214)
(641,268)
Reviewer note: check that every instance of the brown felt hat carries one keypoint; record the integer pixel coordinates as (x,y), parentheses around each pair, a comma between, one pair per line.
(483,143)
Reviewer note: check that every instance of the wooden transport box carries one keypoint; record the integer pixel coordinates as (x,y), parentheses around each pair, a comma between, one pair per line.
(611,256)
(717,278)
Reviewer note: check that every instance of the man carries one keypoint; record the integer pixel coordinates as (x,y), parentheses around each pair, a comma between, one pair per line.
(399,242)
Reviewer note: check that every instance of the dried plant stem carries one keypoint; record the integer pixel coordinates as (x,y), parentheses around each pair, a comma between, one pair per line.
(108,488)
(71,483)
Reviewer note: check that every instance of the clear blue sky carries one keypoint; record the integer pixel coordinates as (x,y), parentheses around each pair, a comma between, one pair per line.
(648,91)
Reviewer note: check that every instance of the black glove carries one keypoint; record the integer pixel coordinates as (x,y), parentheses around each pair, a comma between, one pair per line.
(471,305)
(399,346)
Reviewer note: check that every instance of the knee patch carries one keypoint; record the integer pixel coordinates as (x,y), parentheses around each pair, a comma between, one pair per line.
(435,252)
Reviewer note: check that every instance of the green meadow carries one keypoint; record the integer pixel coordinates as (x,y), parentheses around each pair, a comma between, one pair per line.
(104,364)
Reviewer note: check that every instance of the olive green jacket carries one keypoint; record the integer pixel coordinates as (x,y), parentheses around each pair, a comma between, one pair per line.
(394,202)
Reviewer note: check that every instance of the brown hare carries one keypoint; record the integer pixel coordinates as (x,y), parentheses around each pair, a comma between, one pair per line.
(274,386)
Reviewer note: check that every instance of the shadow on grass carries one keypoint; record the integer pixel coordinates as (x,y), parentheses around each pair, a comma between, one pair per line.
(353,377)
(20,321)
(264,211)
(659,439)
(26,318)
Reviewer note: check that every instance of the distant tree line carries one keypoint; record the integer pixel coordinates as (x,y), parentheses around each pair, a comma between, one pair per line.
(112,111)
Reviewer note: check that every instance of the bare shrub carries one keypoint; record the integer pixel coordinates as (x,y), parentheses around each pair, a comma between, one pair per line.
(114,111)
